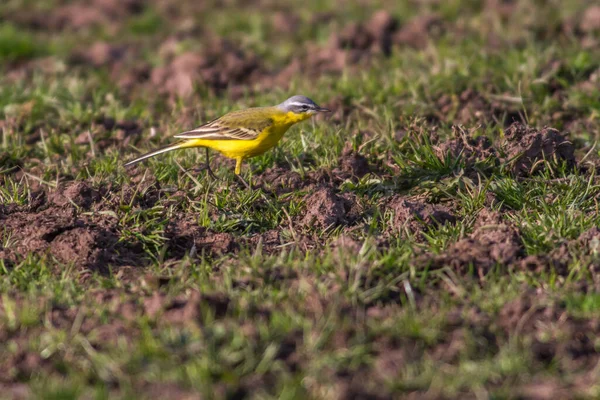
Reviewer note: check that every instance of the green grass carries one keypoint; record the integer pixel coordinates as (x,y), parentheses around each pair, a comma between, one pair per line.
(17,45)
(310,316)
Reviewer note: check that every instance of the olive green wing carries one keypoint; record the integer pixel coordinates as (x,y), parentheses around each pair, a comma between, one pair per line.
(237,125)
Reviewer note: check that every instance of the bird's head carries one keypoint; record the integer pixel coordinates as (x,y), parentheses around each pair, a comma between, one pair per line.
(301,106)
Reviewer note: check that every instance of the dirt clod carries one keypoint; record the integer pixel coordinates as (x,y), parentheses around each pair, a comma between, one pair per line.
(381,26)
(99,54)
(419,31)
(527,148)
(493,242)
(471,150)
(353,163)
(60,231)
(324,208)
(281,179)
(285,22)
(220,66)
(416,214)
(77,193)
(79,15)
(84,246)
(353,44)
(374,35)
(472,106)
(590,22)
(187,237)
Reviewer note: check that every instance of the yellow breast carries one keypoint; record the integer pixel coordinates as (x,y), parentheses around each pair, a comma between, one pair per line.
(267,139)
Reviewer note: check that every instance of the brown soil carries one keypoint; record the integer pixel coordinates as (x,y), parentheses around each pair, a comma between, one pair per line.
(79,15)
(59,231)
(585,27)
(74,224)
(352,163)
(532,320)
(126,131)
(472,107)
(352,44)
(351,166)
(527,149)
(590,22)
(67,224)
(324,209)
(281,180)
(374,35)
(357,43)
(419,31)
(569,342)
(493,242)
(417,215)
(185,236)
(99,54)
(557,260)
(220,66)
(79,194)
(471,150)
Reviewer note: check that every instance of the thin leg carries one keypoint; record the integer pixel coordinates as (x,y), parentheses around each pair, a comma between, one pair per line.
(210,171)
(206,167)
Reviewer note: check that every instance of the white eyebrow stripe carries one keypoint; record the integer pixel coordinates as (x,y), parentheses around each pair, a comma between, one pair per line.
(300,104)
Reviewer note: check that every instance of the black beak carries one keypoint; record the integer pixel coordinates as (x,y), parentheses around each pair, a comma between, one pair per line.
(322,109)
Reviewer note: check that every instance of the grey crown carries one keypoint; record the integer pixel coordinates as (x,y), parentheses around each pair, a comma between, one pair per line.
(299,104)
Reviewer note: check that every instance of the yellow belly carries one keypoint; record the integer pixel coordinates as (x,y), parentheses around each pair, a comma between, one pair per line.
(244,148)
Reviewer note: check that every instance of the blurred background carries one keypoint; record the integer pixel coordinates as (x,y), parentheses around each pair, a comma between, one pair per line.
(433,57)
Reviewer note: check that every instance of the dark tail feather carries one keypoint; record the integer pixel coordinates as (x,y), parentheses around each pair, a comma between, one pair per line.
(165,149)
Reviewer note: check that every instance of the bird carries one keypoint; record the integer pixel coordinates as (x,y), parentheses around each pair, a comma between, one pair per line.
(244,133)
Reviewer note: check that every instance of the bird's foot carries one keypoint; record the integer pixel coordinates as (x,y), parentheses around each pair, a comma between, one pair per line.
(211,173)
(243,181)
(206,168)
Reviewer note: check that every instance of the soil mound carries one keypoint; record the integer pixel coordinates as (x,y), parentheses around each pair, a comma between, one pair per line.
(324,208)
(528,149)
(493,242)
(221,66)
(417,215)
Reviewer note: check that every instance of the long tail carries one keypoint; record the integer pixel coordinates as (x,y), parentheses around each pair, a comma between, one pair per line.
(178,145)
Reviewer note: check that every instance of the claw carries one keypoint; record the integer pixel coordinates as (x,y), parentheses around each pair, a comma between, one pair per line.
(205,167)
(244,182)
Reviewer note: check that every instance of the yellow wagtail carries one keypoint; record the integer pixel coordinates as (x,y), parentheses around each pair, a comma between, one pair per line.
(245,133)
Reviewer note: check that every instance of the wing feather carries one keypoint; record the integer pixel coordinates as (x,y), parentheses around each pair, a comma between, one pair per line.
(243,125)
